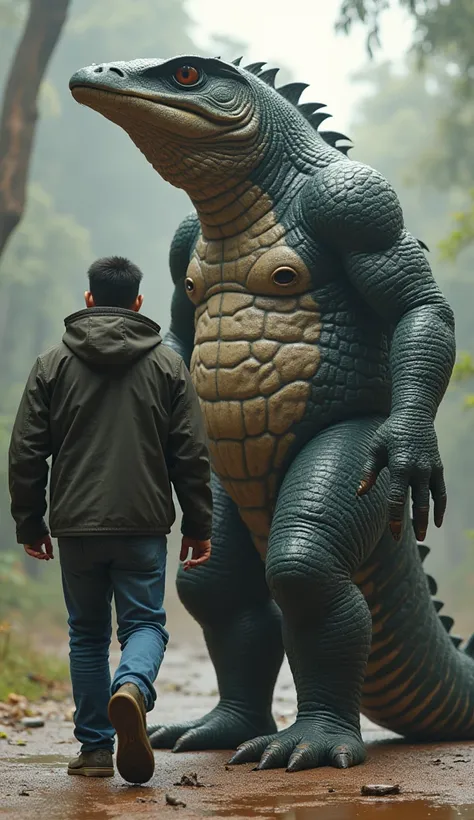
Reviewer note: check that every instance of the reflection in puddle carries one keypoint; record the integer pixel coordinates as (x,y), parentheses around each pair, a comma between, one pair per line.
(307,808)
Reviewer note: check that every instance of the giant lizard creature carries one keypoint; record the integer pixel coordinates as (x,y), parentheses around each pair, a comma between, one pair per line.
(320,347)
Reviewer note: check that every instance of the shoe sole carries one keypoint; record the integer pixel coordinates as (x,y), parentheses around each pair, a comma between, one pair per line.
(135,759)
(89,771)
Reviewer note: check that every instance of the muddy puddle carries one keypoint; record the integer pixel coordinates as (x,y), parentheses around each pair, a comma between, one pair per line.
(297,807)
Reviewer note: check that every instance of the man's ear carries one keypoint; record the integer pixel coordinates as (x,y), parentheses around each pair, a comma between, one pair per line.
(89,299)
(137,304)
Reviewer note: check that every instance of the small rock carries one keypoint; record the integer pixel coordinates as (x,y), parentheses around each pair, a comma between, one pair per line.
(380,790)
(24,793)
(32,722)
(331,791)
(146,800)
(172,801)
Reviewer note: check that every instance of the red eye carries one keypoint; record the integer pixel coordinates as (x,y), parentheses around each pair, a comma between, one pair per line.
(187,75)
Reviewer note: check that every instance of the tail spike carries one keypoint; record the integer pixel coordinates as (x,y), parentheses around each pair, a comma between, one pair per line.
(422,245)
(292,92)
(456,641)
(438,605)
(318,118)
(469,648)
(447,622)
(268,76)
(254,68)
(423,551)
(433,586)
(237,61)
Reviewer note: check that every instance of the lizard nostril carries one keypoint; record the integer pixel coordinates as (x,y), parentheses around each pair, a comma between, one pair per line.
(117,71)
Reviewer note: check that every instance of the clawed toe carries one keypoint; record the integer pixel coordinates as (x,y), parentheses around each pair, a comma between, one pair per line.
(306,745)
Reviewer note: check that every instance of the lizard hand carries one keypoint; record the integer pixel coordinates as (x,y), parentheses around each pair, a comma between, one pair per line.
(408,446)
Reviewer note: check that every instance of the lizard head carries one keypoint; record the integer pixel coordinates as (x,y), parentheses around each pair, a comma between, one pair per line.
(195,119)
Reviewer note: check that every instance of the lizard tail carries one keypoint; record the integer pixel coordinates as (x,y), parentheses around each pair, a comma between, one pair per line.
(419,680)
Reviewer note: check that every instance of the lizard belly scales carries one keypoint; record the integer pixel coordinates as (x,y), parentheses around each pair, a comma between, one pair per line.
(255,355)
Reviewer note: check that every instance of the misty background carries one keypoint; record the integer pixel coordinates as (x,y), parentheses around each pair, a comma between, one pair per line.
(91,193)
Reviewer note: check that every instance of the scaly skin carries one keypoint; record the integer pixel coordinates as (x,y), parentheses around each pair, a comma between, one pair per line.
(320,347)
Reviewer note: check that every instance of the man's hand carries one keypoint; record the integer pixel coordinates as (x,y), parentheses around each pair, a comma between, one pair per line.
(43,549)
(201,552)
(408,446)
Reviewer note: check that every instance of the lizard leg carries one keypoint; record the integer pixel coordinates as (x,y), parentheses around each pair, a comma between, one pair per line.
(230,599)
(321,533)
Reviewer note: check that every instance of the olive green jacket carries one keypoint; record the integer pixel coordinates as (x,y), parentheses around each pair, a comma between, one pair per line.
(118,413)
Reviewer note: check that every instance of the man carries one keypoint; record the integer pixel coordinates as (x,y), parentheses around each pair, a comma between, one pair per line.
(117,411)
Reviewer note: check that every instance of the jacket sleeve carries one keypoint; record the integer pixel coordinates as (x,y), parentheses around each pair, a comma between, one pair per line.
(188,458)
(30,448)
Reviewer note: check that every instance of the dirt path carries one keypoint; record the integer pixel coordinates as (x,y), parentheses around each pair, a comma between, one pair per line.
(436,782)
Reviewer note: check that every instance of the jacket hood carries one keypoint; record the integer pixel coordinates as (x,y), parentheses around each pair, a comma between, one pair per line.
(110,337)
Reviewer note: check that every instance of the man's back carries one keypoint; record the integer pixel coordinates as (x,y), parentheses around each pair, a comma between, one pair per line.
(120,406)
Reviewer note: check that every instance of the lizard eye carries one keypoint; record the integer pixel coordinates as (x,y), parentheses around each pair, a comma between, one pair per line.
(187,75)
(189,284)
(284,276)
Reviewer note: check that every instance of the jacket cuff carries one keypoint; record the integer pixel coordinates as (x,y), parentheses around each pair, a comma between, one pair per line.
(192,530)
(31,531)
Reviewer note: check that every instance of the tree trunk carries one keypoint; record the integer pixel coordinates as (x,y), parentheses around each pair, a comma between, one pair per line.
(18,121)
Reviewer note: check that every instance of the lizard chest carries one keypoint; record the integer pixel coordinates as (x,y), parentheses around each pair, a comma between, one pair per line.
(256,351)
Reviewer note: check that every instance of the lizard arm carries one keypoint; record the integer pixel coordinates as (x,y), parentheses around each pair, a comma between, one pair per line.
(180,336)
(360,215)
(398,284)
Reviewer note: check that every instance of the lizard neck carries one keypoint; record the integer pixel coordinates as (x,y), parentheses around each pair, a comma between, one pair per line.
(233,211)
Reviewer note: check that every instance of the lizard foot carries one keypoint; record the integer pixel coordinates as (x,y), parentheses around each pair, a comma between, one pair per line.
(222,728)
(309,743)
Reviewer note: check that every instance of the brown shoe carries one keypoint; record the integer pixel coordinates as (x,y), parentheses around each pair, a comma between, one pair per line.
(127,714)
(99,763)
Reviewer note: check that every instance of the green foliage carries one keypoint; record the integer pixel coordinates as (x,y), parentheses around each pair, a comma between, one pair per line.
(463,234)
(442,27)
(27,672)
(464,372)
(12,577)
(444,47)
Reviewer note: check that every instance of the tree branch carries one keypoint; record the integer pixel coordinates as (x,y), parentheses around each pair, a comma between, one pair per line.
(19,115)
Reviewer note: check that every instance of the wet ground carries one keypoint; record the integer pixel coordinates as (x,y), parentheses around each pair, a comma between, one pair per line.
(435,781)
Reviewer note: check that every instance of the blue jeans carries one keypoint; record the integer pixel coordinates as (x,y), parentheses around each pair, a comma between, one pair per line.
(133,571)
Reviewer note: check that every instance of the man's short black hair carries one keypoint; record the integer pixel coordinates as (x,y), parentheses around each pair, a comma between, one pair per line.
(114,282)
